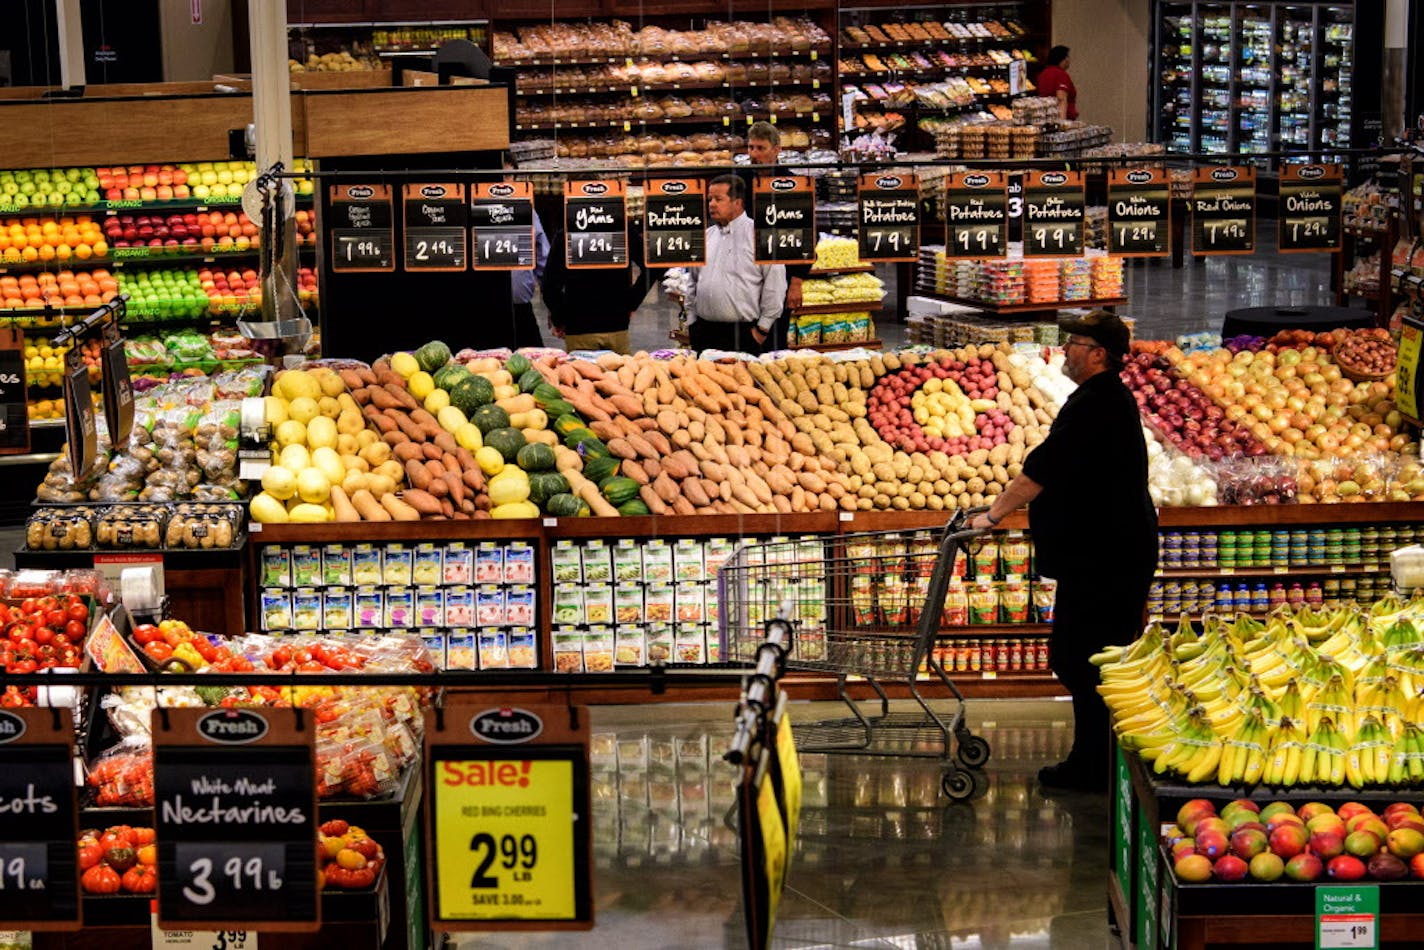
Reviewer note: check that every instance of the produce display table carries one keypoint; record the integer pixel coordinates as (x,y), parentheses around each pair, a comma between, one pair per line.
(1151,910)
(1267,321)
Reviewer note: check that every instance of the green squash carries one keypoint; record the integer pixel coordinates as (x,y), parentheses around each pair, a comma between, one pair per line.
(487,418)
(535,457)
(565,505)
(555,407)
(599,468)
(619,490)
(507,442)
(567,425)
(432,356)
(471,393)
(530,380)
(588,446)
(633,508)
(545,393)
(545,485)
(448,375)
(517,365)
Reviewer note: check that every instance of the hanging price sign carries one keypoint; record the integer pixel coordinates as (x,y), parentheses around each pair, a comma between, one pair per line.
(1407,366)
(785,218)
(80,428)
(1139,213)
(436,227)
(1311,203)
(1053,214)
(14,401)
(595,224)
(39,872)
(1347,918)
(118,391)
(976,213)
(508,818)
(675,223)
(502,220)
(1223,210)
(889,218)
(235,816)
(362,231)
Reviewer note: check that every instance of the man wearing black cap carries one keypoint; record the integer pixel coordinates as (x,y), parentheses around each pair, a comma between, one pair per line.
(1094,530)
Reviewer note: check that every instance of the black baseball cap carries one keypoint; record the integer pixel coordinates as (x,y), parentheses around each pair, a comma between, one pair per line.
(1102,327)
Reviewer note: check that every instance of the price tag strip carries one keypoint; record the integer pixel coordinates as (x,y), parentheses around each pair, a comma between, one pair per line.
(1347,918)
(1139,213)
(785,218)
(436,227)
(362,230)
(14,398)
(1223,210)
(1310,208)
(81,431)
(675,222)
(508,818)
(235,816)
(502,225)
(118,390)
(1053,214)
(889,218)
(595,224)
(39,823)
(976,213)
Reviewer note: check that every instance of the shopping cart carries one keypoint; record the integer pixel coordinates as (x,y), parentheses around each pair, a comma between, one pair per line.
(868,605)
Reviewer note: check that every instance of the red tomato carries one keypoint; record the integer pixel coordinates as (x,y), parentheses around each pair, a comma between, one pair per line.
(27,606)
(24,666)
(158,651)
(44,635)
(55,617)
(77,610)
(146,633)
(75,630)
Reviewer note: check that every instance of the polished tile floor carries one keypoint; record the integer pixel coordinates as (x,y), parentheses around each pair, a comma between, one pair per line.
(884,860)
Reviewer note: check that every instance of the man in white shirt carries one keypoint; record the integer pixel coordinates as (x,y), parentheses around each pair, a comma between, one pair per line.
(736,302)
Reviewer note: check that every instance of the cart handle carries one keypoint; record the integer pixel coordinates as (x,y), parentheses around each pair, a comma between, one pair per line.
(955,529)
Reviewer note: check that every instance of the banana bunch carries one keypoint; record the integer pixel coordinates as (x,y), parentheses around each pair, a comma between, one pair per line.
(1243,758)
(1400,636)
(1283,758)
(1406,764)
(1367,762)
(1193,751)
(1334,701)
(1385,699)
(1325,751)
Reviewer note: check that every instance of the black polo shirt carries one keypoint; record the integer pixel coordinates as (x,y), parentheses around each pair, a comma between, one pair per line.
(1094,515)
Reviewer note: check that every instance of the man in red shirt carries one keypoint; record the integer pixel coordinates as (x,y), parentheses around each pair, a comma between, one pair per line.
(1055,82)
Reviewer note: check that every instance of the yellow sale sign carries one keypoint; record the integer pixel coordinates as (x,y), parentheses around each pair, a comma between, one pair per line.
(505,838)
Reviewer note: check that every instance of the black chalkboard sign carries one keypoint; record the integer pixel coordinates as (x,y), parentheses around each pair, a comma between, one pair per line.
(889,219)
(976,211)
(14,402)
(235,816)
(1053,214)
(1139,213)
(785,218)
(502,219)
(362,235)
(1310,206)
(436,227)
(675,223)
(595,224)
(117,390)
(1223,208)
(80,429)
(39,873)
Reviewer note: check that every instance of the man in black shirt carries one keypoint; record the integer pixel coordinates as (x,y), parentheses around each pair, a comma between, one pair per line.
(1094,530)
(591,307)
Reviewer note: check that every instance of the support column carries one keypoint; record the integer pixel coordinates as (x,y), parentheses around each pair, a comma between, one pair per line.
(71,43)
(1393,76)
(272,116)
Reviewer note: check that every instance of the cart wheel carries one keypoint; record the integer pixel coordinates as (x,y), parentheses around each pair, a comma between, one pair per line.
(958,784)
(973,751)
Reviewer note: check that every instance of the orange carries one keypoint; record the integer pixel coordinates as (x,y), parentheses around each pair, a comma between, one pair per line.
(30,254)
(83,251)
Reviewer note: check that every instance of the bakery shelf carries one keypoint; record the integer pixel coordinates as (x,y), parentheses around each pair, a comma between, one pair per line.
(824,50)
(627,88)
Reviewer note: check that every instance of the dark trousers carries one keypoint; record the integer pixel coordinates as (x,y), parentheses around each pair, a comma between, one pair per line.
(1088,615)
(526,327)
(704,335)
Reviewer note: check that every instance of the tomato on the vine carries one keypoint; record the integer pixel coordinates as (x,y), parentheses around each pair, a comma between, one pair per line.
(75,630)
(77,610)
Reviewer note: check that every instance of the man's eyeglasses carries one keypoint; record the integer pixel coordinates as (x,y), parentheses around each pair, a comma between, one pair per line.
(1088,343)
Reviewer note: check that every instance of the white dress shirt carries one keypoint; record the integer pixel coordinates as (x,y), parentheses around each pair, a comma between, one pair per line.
(733,287)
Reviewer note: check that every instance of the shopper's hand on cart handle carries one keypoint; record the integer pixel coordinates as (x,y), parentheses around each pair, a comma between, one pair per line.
(982,522)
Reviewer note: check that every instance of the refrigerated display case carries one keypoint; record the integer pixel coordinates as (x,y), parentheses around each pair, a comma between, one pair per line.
(1260,76)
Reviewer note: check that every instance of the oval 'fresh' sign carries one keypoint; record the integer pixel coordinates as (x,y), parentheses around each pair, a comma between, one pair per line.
(433,191)
(11,726)
(506,726)
(976,181)
(782,184)
(887,182)
(674,187)
(360,191)
(501,190)
(1054,178)
(1311,172)
(232,726)
(1223,174)
(595,188)
(1139,178)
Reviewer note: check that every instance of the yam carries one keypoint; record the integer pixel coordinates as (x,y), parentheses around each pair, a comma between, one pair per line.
(368,507)
(398,509)
(423,502)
